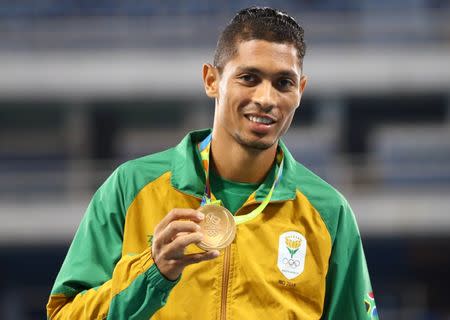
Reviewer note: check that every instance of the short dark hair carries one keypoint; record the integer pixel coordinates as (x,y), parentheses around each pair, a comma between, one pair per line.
(259,23)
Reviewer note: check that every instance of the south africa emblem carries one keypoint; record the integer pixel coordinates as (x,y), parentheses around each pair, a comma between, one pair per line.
(291,254)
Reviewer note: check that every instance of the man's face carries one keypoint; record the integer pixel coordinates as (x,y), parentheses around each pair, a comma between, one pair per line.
(257,93)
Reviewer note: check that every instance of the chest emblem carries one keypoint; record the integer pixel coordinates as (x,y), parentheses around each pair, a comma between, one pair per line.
(291,254)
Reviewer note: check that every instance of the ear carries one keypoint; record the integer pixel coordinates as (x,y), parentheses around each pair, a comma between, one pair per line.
(303,81)
(211,80)
(301,87)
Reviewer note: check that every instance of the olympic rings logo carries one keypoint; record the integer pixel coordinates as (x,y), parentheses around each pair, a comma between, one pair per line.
(292,263)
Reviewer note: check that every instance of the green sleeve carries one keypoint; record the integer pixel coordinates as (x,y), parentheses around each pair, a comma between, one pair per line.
(146,295)
(348,290)
(95,281)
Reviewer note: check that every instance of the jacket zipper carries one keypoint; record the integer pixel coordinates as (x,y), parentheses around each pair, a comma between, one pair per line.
(225,280)
(225,274)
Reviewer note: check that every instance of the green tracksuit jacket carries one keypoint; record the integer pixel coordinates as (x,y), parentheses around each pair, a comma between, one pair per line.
(302,258)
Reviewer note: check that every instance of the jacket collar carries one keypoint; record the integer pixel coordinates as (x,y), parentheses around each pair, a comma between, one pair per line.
(188,175)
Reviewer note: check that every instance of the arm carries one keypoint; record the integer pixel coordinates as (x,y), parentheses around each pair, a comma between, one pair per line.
(348,289)
(95,281)
(135,291)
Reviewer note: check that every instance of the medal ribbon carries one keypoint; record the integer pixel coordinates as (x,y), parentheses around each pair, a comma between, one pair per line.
(205,148)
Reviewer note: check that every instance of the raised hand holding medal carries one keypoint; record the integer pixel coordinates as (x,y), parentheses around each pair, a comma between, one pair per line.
(178,229)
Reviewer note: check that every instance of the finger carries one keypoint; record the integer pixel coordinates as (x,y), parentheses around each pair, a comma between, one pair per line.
(178,214)
(180,235)
(174,228)
(177,246)
(199,257)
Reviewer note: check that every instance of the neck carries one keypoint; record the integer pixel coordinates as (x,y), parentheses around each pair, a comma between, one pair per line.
(238,163)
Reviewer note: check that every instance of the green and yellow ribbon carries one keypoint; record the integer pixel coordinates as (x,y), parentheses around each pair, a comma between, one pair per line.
(205,150)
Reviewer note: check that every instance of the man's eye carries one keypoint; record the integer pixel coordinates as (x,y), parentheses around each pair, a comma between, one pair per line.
(285,83)
(248,78)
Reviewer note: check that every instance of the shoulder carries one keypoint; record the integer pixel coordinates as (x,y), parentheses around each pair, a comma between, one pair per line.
(148,167)
(132,176)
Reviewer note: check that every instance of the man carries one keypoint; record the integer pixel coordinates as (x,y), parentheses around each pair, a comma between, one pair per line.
(297,252)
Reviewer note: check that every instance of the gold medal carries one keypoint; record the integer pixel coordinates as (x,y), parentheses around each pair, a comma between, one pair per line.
(218,227)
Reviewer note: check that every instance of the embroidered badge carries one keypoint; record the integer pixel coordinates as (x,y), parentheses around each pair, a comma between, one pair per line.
(150,240)
(291,254)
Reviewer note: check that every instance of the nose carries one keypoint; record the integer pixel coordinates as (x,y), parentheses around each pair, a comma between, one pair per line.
(264,96)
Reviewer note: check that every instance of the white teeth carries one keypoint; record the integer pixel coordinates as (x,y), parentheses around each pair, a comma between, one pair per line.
(260,120)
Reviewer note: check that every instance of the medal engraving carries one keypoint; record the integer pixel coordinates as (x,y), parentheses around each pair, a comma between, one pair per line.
(211,226)
(218,227)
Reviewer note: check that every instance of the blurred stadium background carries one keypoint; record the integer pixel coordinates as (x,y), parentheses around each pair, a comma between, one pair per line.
(86,85)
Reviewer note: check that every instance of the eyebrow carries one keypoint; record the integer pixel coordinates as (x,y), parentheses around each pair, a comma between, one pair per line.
(286,73)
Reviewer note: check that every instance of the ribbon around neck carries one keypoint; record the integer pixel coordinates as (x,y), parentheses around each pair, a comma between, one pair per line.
(205,149)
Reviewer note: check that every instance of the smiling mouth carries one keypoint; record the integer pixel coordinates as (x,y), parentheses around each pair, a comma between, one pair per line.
(260,120)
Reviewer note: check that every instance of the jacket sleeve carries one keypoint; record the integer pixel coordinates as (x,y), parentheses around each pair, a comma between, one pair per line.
(95,281)
(348,289)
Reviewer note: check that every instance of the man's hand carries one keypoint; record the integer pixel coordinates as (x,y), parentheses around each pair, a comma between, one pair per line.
(172,235)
